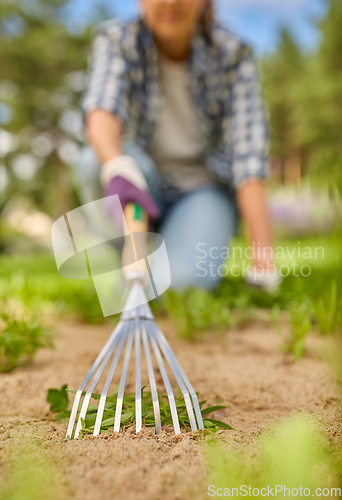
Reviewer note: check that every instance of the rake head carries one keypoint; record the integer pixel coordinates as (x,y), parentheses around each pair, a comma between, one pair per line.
(136,329)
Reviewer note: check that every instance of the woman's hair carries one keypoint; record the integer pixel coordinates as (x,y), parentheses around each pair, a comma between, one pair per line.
(208,17)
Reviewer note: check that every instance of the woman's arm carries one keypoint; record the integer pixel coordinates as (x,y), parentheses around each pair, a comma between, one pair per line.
(251,197)
(104,133)
(120,174)
(104,102)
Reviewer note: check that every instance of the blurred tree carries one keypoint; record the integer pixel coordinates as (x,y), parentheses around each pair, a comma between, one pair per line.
(282,71)
(42,74)
(304,93)
(320,110)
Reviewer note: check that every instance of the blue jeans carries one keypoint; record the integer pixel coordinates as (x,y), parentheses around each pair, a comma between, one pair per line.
(199,222)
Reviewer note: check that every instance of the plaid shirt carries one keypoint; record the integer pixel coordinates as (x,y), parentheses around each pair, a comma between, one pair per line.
(124,79)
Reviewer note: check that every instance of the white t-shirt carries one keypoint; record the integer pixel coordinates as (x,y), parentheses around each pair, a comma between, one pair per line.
(176,146)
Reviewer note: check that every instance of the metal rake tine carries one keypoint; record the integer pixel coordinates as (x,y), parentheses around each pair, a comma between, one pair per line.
(166,380)
(106,387)
(138,416)
(119,400)
(91,372)
(152,379)
(173,365)
(185,378)
(94,383)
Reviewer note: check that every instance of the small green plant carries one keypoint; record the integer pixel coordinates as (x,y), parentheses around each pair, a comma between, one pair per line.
(59,401)
(20,338)
(328,310)
(300,326)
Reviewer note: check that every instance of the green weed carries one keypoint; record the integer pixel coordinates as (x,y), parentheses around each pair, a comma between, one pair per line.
(300,327)
(59,402)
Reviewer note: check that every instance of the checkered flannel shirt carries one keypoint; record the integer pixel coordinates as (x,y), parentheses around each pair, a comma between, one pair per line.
(124,79)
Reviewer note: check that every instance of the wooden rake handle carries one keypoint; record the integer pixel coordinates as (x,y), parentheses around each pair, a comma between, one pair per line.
(137,222)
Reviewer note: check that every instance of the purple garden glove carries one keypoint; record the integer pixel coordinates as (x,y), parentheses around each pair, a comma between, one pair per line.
(129,193)
(121,176)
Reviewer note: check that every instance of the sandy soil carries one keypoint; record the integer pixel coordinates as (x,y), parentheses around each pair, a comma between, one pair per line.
(245,368)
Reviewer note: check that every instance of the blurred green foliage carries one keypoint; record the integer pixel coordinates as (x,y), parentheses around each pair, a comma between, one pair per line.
(35,282)
(292,454)
(21,335)
(311,302)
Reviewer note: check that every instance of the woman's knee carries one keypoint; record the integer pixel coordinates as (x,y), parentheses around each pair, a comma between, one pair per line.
(199,278)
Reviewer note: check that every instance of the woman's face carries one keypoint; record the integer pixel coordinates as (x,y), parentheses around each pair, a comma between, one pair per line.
(172,19)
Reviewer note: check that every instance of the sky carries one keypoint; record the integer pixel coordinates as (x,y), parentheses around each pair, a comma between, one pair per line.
(258,21)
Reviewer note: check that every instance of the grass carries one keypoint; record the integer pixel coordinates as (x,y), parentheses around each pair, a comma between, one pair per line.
(35,282)
(59,402)
(311,302)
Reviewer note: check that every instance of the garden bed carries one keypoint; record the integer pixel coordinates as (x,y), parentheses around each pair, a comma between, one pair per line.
(245,369)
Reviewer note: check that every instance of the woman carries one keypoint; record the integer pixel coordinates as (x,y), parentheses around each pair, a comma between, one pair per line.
(176,124)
